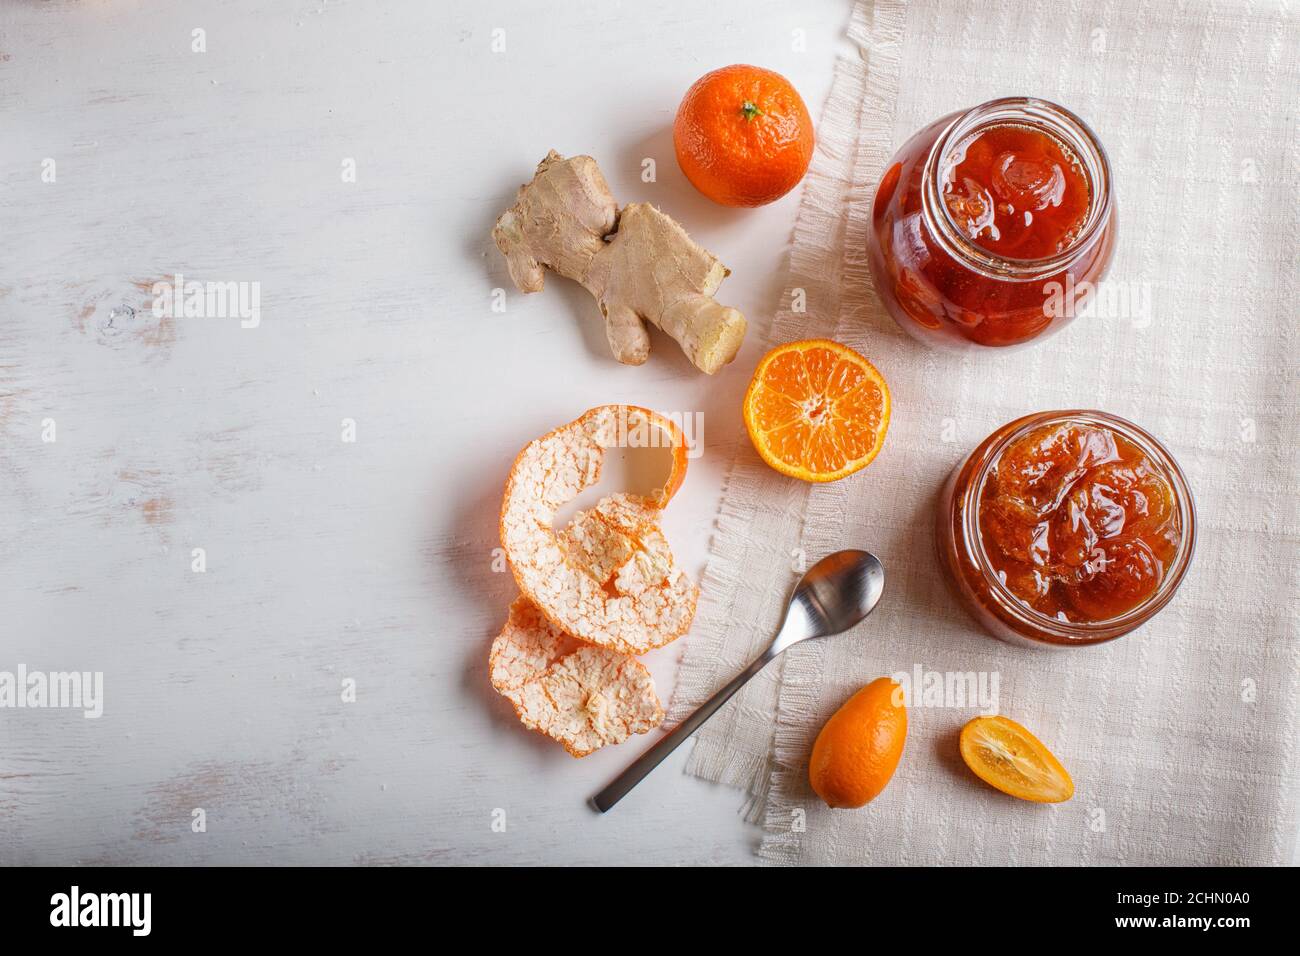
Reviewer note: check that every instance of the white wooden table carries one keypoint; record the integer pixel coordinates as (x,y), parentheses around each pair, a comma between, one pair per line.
(127,157)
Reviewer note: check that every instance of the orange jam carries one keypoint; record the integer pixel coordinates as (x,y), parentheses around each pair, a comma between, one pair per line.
(989,226)
(1078,522)
(1065,528)
(1017,192)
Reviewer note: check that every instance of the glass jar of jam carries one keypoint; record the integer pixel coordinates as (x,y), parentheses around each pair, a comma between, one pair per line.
(1066,528)
(989,225)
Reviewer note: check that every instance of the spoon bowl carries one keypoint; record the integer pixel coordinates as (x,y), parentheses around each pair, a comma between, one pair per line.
(834,595)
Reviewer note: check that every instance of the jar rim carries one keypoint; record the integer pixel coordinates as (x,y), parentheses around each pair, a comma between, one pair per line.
(1041,114)
(1092,632)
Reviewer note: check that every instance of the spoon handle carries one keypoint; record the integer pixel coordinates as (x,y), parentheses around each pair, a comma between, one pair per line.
(629,778)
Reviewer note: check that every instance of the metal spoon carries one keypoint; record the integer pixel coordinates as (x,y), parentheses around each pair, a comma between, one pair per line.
(836,593)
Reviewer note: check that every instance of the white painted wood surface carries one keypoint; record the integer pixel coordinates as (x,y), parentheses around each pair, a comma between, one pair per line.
(326,560)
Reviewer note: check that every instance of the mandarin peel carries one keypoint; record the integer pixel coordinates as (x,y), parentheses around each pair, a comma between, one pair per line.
(582,696)
(610,578)
(640,265)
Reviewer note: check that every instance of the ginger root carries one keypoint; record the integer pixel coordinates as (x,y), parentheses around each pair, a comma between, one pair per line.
(639,264)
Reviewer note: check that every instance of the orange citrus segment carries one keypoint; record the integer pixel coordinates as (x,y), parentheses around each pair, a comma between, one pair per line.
(816,410)
(1008,757)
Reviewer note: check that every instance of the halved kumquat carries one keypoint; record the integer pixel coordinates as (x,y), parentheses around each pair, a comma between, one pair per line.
(816,410)
(1009,758)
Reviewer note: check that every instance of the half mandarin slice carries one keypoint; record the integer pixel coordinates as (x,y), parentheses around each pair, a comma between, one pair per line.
(816,410)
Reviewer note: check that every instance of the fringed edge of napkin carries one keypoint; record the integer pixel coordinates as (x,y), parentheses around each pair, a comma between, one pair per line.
(876,32)
(855,118)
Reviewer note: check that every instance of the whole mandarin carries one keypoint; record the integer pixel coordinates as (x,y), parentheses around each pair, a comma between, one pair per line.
(743,136)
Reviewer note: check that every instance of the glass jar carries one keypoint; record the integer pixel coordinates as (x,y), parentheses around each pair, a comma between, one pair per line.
(1079,492)
(959,200)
